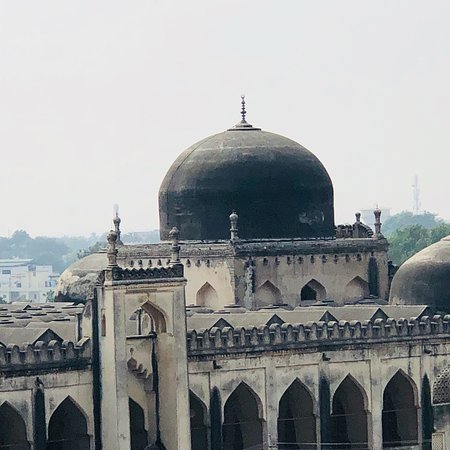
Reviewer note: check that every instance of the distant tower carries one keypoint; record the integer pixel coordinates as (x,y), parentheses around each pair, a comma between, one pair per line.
(416,195)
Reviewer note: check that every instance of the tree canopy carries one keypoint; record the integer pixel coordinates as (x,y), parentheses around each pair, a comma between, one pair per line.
(408,234)
(63,251)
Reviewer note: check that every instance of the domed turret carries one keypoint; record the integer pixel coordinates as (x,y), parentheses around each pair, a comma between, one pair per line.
(279,188)
(425,278)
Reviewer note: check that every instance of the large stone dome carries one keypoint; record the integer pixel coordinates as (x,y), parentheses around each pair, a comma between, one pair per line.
(425,278)
(278,188)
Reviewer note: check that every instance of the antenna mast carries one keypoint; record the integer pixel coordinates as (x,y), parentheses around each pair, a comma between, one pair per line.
(416,195)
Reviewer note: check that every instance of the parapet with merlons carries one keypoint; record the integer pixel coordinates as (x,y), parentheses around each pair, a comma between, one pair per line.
(119,274)
(45,356)
(276,337)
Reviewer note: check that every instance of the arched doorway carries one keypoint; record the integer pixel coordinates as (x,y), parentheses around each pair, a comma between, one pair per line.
(139,436)
(67,429)
(313,291)
(357,289)
(400,427)
(207,297)
(296,419)
(349,416)
(13,433)
(199,437)
(267,294)
(242,426)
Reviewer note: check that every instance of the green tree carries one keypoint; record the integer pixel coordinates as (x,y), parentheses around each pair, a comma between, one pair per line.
(406,219)
(406,242)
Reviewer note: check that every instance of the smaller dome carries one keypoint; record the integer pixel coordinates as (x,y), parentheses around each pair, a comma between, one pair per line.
(424,279)
(77,282)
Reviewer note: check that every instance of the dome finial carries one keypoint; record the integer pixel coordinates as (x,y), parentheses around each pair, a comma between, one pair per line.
(243,111)
(243,124)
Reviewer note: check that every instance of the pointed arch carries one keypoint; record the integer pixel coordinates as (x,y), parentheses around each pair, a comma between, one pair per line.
(267,294)
(13,432)
(357,289)
(140,323)
(349,426)
(199,429)
(399,417)
(242,425)
(67,427)
(296,418)
(138,432)
(313,291)
(158,317)
(207,297)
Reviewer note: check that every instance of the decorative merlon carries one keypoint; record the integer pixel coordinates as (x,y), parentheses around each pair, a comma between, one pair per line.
(42,355)
(287,336)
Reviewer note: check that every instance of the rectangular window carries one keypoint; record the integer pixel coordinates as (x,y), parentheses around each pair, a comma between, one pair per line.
(6,272)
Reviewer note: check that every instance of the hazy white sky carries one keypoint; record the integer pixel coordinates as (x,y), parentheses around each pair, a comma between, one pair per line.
(97,98)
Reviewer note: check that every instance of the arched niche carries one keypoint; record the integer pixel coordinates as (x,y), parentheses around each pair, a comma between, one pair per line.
(140,323)
(242,425)
(13,432)
(357,289)
(313,291)
(349,427)
(267,294)
(67,428)
(399,416)
(296,418)
(199,429)
(158,318)
(373,274)
(139,435)
(207,297)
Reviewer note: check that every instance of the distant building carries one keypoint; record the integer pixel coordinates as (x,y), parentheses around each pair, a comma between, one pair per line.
(20,280)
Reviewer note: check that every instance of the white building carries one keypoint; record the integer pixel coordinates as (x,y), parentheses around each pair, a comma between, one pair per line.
(22,280)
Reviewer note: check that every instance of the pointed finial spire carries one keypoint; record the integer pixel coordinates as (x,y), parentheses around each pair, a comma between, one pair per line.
(116,221)
(174,235)
(243,111)
(111,249)
(234,230)
(243,124)
(377,214)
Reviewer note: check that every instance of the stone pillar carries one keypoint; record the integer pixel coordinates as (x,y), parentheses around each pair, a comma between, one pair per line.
(115,415)
(271,406)
(376,392)
(174,410)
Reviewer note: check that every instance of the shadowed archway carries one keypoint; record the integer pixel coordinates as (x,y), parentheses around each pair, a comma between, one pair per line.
(242,426)
(67,429)
(139,436)
(296,419)
(312,291)
(13,433)
(400,426)
(199,430)
(349,416)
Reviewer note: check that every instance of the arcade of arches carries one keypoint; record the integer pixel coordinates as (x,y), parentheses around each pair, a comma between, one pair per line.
(299,422)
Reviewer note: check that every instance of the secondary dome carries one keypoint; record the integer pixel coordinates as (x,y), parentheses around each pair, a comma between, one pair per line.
(278,188)
(425,278)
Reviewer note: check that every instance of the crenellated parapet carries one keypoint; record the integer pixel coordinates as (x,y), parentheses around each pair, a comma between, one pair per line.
(286,336)
(43,356)
(145,274)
